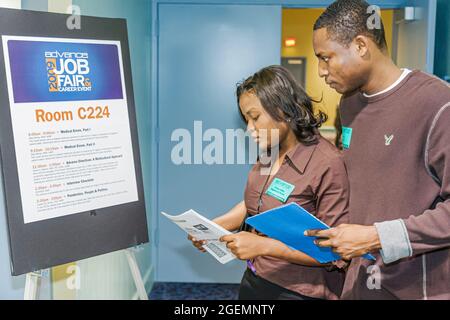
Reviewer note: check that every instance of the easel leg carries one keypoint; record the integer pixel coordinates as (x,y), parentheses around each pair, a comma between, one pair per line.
(32,284)
(134,268)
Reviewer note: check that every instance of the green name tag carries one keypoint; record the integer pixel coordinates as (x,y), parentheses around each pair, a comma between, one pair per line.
(346,137)
(280,190)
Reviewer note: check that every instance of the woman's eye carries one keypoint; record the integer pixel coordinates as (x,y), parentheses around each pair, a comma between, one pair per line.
(326,59)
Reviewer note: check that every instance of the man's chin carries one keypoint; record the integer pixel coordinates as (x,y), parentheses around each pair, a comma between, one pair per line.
(339,89)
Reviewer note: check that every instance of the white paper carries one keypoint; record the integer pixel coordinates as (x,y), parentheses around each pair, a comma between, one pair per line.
(202,228)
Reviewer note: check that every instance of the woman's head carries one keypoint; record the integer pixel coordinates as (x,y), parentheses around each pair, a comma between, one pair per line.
(272,99)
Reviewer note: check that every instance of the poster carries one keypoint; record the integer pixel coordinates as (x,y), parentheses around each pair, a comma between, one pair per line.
(69,115)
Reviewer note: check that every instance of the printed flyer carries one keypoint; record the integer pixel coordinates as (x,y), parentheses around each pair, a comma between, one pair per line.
(71,128)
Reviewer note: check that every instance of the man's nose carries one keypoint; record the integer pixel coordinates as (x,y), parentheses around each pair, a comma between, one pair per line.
(323,72)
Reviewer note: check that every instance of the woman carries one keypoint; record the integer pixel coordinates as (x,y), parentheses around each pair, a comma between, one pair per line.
(272,101)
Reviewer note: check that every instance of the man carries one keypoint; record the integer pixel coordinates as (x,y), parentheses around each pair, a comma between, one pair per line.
(396,138)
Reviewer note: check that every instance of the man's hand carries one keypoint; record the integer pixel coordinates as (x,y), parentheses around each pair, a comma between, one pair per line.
(246,245)
(348,240)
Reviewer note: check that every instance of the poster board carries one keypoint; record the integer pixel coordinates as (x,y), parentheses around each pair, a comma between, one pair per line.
(68,139)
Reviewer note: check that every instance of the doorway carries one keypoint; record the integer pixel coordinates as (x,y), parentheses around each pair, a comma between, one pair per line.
(297,66)
(297,33)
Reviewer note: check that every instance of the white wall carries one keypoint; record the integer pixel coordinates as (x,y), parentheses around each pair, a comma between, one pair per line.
(59,6)
(13,4)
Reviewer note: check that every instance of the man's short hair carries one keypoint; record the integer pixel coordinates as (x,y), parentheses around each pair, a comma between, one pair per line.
(347,19)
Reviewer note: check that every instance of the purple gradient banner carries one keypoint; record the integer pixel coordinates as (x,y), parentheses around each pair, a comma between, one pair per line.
(62,71)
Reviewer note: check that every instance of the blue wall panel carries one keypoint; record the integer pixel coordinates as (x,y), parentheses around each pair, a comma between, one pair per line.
(204,50)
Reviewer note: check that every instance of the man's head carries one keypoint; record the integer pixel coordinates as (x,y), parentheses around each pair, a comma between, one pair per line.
(348,44)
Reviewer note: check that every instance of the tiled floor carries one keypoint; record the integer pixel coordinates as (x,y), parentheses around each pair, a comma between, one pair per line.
(194,291)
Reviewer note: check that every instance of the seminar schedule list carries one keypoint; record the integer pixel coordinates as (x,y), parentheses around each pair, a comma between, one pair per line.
(66,166)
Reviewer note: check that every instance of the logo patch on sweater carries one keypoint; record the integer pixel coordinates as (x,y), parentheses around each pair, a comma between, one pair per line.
(388,139)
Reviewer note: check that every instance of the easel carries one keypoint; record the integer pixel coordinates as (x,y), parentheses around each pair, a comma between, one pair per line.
(32,284)
(33,279)
(136,273)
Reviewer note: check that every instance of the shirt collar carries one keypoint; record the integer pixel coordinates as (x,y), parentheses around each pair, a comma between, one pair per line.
(300,156)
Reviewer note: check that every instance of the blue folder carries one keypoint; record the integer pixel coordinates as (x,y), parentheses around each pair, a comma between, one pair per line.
(288,224)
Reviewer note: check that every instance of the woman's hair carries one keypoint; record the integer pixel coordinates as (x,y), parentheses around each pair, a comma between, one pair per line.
(284,100)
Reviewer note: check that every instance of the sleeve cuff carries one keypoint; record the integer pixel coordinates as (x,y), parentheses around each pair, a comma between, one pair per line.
(394,240)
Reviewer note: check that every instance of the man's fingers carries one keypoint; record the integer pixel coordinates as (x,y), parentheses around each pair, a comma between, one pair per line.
(310,233)
(319,233)
(323,243)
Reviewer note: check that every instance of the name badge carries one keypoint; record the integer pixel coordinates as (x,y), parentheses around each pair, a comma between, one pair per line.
(346,137)
(280,190)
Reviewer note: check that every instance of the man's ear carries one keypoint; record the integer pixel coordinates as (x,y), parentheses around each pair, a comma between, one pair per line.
(362,45)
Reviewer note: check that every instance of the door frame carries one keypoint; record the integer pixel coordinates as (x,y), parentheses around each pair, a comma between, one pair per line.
(154,89)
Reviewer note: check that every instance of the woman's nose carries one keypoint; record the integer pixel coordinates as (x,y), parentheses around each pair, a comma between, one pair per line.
(250,127)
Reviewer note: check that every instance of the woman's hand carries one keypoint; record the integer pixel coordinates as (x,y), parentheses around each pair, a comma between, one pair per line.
(246,245)
(198,244)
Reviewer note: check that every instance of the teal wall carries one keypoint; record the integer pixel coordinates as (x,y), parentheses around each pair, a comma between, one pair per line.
(36,5)
(442,53)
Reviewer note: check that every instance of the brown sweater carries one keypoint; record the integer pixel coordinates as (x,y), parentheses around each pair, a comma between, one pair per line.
(398,162)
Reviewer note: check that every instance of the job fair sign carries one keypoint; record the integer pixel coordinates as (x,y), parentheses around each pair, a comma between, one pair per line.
(71,128)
